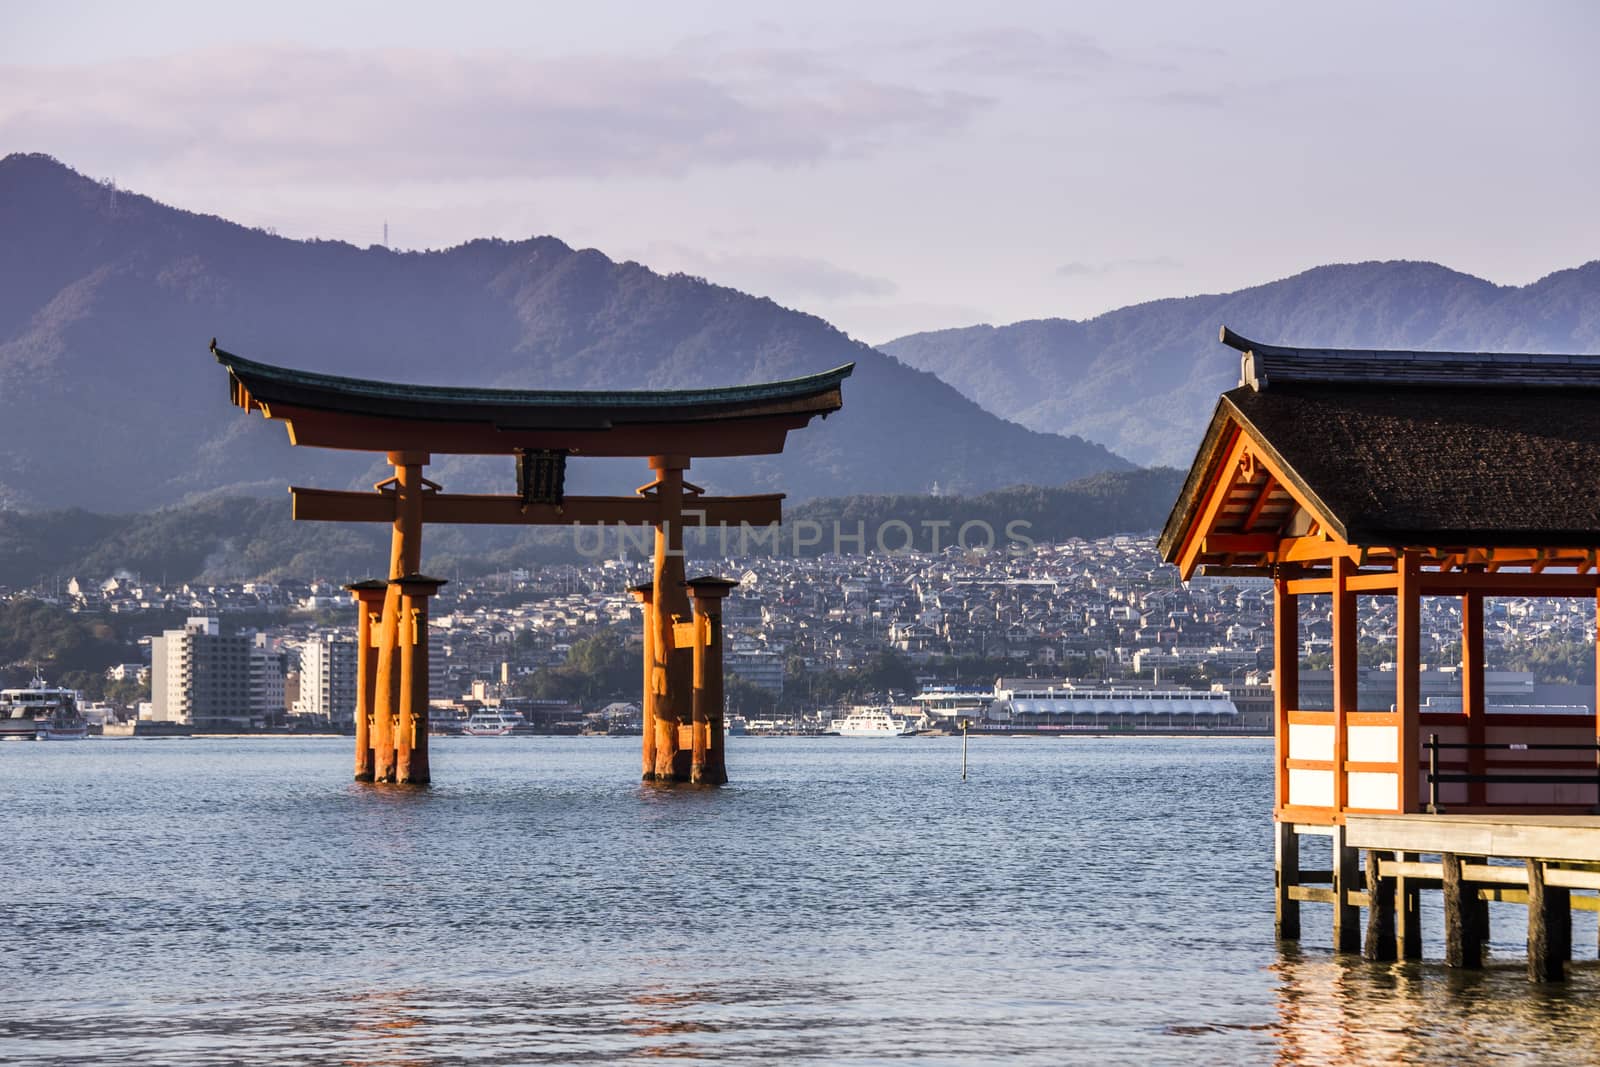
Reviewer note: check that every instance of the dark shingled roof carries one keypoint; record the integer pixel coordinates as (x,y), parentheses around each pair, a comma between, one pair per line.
(1268,365)
(1420,449)
(1433,466)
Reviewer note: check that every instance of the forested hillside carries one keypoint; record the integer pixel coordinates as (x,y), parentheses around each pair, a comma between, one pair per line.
(1143,379)
(112,402)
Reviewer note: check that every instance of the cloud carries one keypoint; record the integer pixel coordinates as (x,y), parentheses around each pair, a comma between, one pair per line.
(1152,264)
(782,277)
(1015,52)
(291,113)
(1184,98)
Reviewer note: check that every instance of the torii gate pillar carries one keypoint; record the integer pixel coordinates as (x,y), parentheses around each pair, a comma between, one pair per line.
(646,595)
(369,596)
(708,765)
(672,675)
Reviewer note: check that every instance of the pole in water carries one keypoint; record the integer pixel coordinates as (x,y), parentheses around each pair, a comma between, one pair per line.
(964,724)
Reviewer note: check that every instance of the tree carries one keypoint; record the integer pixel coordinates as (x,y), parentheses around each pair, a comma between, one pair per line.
(599,668)
(747,698)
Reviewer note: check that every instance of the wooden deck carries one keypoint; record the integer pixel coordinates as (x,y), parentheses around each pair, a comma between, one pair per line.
(1560,838)
(1548,863)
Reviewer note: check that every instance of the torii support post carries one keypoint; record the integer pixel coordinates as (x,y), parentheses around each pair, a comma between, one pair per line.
(672,677)
(646,597)
(405,555)
(708,765)
(411,733)
(369,606)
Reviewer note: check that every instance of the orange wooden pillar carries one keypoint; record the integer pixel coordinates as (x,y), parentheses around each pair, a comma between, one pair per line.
(1346,917)
(369,607)
(1346,672)
(646,597)
(672,676)
(1285,674)
(1472,695)
(708,765)
(1408,675)
(411,729)
(405,552)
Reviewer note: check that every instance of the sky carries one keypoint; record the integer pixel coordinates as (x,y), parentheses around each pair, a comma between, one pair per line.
(892,166)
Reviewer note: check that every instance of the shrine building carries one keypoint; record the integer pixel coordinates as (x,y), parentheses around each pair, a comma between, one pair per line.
(1356,474)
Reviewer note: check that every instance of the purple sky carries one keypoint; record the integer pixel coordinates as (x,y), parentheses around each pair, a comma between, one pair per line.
(892,167)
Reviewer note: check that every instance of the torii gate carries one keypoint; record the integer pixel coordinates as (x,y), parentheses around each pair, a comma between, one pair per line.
(682,698)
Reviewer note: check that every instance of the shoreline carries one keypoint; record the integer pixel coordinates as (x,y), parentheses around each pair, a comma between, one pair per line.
(975,735)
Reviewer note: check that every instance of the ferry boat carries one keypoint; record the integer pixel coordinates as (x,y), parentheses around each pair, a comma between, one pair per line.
(870,722)
(446,722)
(41,712)
(491,722)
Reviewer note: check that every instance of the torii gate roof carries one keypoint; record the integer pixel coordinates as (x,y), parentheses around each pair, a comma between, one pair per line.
(1458,454)
(329,411)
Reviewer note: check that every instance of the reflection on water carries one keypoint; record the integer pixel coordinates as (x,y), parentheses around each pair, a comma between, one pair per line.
(1075,901)
(1338,1010)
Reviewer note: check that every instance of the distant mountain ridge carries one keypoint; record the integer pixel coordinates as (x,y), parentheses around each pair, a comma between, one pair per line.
(111,402)
(234,539)
(1144,379)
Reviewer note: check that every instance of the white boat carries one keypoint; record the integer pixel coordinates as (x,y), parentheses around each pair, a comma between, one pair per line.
(493,723)
(446,722)
(41,712)
(871,722)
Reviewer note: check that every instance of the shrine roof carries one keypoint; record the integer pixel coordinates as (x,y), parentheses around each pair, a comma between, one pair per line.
(1263,366)
(1401,449)
(339,412)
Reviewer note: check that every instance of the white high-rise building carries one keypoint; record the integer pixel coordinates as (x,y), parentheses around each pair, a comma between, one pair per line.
(328,679)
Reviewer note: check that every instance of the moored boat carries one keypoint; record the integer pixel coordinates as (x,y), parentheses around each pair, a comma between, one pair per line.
(41,712)
(871,722)
(490,722)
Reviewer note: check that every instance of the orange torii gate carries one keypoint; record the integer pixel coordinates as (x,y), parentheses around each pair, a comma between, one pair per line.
(682,698)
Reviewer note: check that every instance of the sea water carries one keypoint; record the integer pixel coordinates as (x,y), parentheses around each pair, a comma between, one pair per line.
(1075,900)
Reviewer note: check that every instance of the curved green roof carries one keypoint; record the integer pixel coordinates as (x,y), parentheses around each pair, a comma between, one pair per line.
(332,411)
(285,383)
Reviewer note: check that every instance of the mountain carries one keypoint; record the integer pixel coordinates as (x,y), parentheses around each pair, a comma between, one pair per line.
(111,401)
(1144,379)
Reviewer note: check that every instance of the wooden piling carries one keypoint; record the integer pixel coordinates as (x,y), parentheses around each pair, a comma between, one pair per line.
(1346,877)
(1466,918)
(1549,926)
(1286,849)
(1408,912)
(1381,902)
